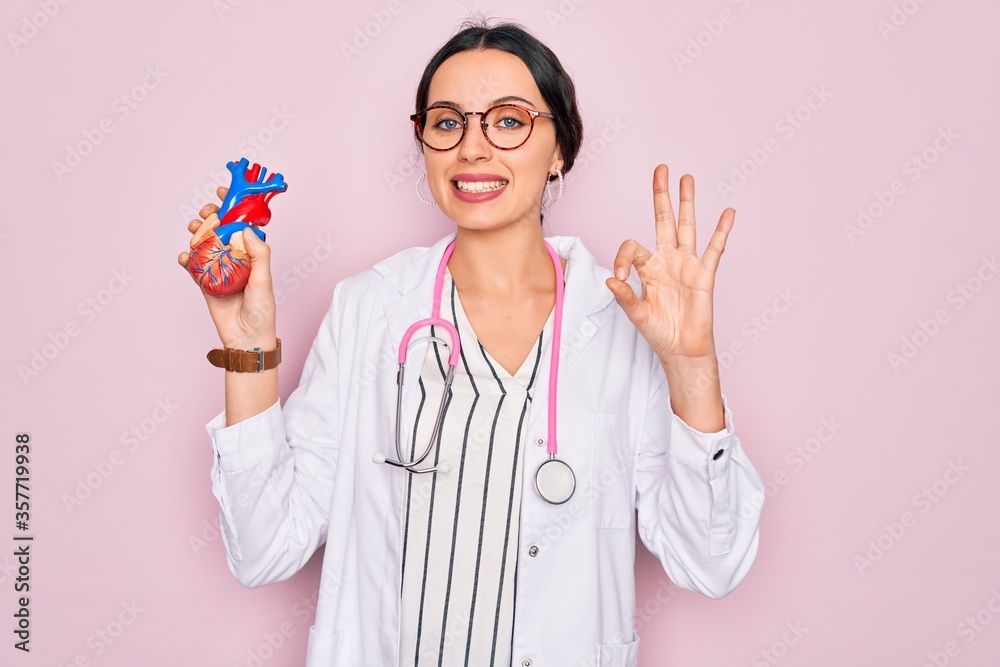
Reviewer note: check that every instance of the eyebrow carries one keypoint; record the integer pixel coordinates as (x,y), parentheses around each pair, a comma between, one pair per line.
(499,100)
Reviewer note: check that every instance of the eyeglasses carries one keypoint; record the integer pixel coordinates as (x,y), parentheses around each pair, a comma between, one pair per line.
(506,126)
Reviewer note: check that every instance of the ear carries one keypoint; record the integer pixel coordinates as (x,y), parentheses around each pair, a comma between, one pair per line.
(557,162)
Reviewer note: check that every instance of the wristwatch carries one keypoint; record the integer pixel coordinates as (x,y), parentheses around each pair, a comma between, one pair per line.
(246,361)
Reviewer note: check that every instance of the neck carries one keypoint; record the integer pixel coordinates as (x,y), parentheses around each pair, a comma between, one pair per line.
(504,262)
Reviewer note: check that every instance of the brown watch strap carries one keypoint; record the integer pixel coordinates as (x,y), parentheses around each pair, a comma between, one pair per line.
(246,361)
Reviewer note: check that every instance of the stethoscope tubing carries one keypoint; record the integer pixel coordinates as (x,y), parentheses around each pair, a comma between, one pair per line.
(552,447)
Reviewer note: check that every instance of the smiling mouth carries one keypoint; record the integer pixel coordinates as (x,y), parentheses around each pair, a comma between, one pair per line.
(479,186)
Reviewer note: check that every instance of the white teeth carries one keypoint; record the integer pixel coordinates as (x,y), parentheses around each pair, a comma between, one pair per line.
(479,186)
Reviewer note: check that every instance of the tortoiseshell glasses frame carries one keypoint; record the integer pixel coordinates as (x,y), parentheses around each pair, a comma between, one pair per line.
(418,121)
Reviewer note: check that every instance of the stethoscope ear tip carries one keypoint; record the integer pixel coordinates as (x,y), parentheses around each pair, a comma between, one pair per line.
(378,458)
(443,467)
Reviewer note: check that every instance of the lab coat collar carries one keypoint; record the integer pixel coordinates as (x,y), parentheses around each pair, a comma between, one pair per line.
(412,272)
(590,295)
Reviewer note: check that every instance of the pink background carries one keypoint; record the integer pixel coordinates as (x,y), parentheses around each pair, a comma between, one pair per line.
(818,308)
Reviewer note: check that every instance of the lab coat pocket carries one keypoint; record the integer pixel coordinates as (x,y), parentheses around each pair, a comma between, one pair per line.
(324,645)
(618,655)
(611,474)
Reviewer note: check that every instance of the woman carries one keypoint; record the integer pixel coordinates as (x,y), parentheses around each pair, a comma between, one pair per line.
(476,559)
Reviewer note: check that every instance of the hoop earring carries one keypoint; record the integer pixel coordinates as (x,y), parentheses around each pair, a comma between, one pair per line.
(429,203)
(548,190)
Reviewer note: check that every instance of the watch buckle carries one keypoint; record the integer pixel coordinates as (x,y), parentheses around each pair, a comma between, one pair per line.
(260,359)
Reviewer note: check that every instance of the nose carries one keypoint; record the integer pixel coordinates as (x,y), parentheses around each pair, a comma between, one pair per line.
(474,144)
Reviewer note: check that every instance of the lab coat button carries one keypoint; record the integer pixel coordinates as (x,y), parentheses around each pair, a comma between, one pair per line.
(533,551)
(526,662)
(540,441)
(717,455)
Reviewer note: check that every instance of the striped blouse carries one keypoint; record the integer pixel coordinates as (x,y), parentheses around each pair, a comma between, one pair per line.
(460,539)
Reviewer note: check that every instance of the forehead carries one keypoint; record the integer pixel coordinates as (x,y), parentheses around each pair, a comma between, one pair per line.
(474,78)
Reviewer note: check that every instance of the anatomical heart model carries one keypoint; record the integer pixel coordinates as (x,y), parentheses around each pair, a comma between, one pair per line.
(219,263)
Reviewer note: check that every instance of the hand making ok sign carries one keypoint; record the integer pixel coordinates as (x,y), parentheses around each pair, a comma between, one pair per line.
(674,313)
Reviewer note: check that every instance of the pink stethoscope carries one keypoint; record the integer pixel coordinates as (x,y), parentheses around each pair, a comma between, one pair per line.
(554,479)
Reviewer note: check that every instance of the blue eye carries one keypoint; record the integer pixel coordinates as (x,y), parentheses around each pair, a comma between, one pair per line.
(454,124)
(509,126)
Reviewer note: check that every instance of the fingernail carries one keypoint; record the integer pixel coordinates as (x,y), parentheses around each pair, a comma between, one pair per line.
(620,273)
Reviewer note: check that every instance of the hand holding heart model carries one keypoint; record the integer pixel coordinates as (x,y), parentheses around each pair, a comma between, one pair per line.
(219,263)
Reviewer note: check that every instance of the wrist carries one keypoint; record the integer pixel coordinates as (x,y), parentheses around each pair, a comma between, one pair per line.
(257,359)
(263,341)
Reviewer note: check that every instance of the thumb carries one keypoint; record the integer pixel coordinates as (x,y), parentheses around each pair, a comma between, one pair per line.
(260,261)
(260,252)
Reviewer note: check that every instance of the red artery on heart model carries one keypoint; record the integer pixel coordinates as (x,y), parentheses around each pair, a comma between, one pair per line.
(219,263)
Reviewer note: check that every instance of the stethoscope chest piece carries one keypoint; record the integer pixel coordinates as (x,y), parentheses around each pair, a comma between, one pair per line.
(555,481)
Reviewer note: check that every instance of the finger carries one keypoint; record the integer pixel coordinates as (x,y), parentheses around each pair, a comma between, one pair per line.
(663,212)
(685,224)
(630,253)
(626,298)
(182,259)
(207,210)
(210,223)
(222,192)
(717,244)
(194,225)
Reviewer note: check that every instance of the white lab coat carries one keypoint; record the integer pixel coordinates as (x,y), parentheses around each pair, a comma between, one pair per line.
(295,476)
